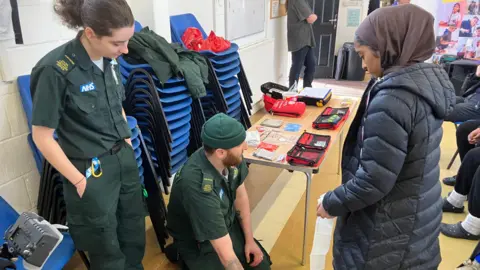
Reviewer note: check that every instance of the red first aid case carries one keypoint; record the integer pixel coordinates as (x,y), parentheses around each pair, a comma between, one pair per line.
(331,118)
(309,150)
(288,108)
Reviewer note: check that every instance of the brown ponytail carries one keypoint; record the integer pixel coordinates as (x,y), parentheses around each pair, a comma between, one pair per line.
(101,15)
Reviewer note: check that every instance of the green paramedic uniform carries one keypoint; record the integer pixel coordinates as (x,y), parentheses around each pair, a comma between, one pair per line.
(205,198)
(84,105)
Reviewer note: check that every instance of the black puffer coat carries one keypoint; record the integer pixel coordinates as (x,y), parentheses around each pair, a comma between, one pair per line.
(389,206)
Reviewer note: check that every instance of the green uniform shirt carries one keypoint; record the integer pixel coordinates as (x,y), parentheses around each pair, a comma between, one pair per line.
(201,205)
(299,31)
(72,95)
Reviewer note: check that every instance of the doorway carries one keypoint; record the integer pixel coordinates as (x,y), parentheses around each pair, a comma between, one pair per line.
(325,31)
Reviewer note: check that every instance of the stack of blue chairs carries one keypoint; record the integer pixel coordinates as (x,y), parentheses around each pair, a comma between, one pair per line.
(225,91)
(163,115)
(132,124)
(168,118)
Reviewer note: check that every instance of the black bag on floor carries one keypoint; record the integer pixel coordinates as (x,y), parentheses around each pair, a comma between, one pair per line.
(349,64)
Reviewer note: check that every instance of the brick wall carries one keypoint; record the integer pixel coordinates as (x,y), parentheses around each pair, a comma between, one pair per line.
(19,178)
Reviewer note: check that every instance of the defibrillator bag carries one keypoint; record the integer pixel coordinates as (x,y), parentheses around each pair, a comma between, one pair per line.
(309,150)
(288,108)
(331,118)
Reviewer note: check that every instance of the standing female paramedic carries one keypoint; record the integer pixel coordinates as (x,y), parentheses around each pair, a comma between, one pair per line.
(77,92)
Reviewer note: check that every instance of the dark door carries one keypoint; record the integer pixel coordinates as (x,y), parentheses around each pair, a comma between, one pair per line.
(325,31)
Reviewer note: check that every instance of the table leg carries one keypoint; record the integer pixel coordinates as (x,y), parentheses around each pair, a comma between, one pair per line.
(307,200)
(340,150)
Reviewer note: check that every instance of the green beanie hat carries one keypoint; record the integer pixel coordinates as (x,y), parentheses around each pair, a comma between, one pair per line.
(222,131)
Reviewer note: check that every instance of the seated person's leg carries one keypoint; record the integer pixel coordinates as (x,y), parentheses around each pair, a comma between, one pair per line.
(470,227)
(463,144)
(463,112)
(454,202)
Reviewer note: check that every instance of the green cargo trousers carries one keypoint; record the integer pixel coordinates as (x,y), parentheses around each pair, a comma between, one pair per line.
(208,259)
(108,222)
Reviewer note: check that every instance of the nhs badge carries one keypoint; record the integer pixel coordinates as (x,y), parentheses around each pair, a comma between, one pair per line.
(88,87)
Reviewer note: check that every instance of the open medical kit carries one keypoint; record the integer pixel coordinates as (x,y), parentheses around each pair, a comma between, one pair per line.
(308,150)
(331,118)
(315,96)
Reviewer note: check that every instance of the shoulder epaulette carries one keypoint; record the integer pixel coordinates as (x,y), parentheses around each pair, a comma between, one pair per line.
(65,64)
(207,183)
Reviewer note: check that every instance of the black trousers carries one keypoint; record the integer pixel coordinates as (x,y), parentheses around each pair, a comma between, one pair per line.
(303,57)
(468,180)
(462,137)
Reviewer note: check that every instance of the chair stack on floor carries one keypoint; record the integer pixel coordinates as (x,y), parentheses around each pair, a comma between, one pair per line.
(132,124)
(51,204)
(164,115)
(152,191)
(228,82)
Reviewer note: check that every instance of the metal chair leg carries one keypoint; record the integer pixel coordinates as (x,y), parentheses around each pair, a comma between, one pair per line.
(84,258)
(452,160)
(454,155)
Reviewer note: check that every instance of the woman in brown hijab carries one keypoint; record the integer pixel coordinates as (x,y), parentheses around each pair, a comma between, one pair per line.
(389,207)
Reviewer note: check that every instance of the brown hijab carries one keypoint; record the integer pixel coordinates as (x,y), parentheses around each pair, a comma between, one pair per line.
(403,35)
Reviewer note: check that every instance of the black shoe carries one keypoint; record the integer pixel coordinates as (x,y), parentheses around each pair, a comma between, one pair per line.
(449,208)
(457,231)
(450,181)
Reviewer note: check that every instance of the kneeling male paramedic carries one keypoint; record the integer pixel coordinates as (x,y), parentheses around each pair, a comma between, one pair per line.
(209,213)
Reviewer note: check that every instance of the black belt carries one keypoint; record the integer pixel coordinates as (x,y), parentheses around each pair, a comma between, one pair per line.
(113,151)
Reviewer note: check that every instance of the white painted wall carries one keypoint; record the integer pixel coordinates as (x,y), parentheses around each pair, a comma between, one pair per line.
(344,33)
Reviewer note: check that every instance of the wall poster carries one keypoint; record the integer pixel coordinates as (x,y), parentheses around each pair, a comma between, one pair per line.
(458,29)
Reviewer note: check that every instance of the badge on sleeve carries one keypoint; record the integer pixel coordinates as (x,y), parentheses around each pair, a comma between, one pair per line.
(207,183)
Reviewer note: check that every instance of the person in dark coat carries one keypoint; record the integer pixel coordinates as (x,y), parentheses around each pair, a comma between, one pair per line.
(389,206)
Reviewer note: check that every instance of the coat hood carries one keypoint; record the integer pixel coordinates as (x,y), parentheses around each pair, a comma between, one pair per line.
(428,81)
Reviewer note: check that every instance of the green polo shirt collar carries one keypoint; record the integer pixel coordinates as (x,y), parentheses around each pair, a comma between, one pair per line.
(209,168)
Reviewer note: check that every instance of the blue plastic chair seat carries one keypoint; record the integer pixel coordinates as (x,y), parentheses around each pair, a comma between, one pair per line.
(179,123)
(177,166)
(179,157)
(229,82)
(233,49)
(141,170)
(138,152)
(226,68)
(132,122)
(177,133)
(234,106)
(172,107)
(231,98)
(139,162)
(183,145)
(134,133)
(224,60)
(178,114)
(176,143)
(136,143)
(228,75)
